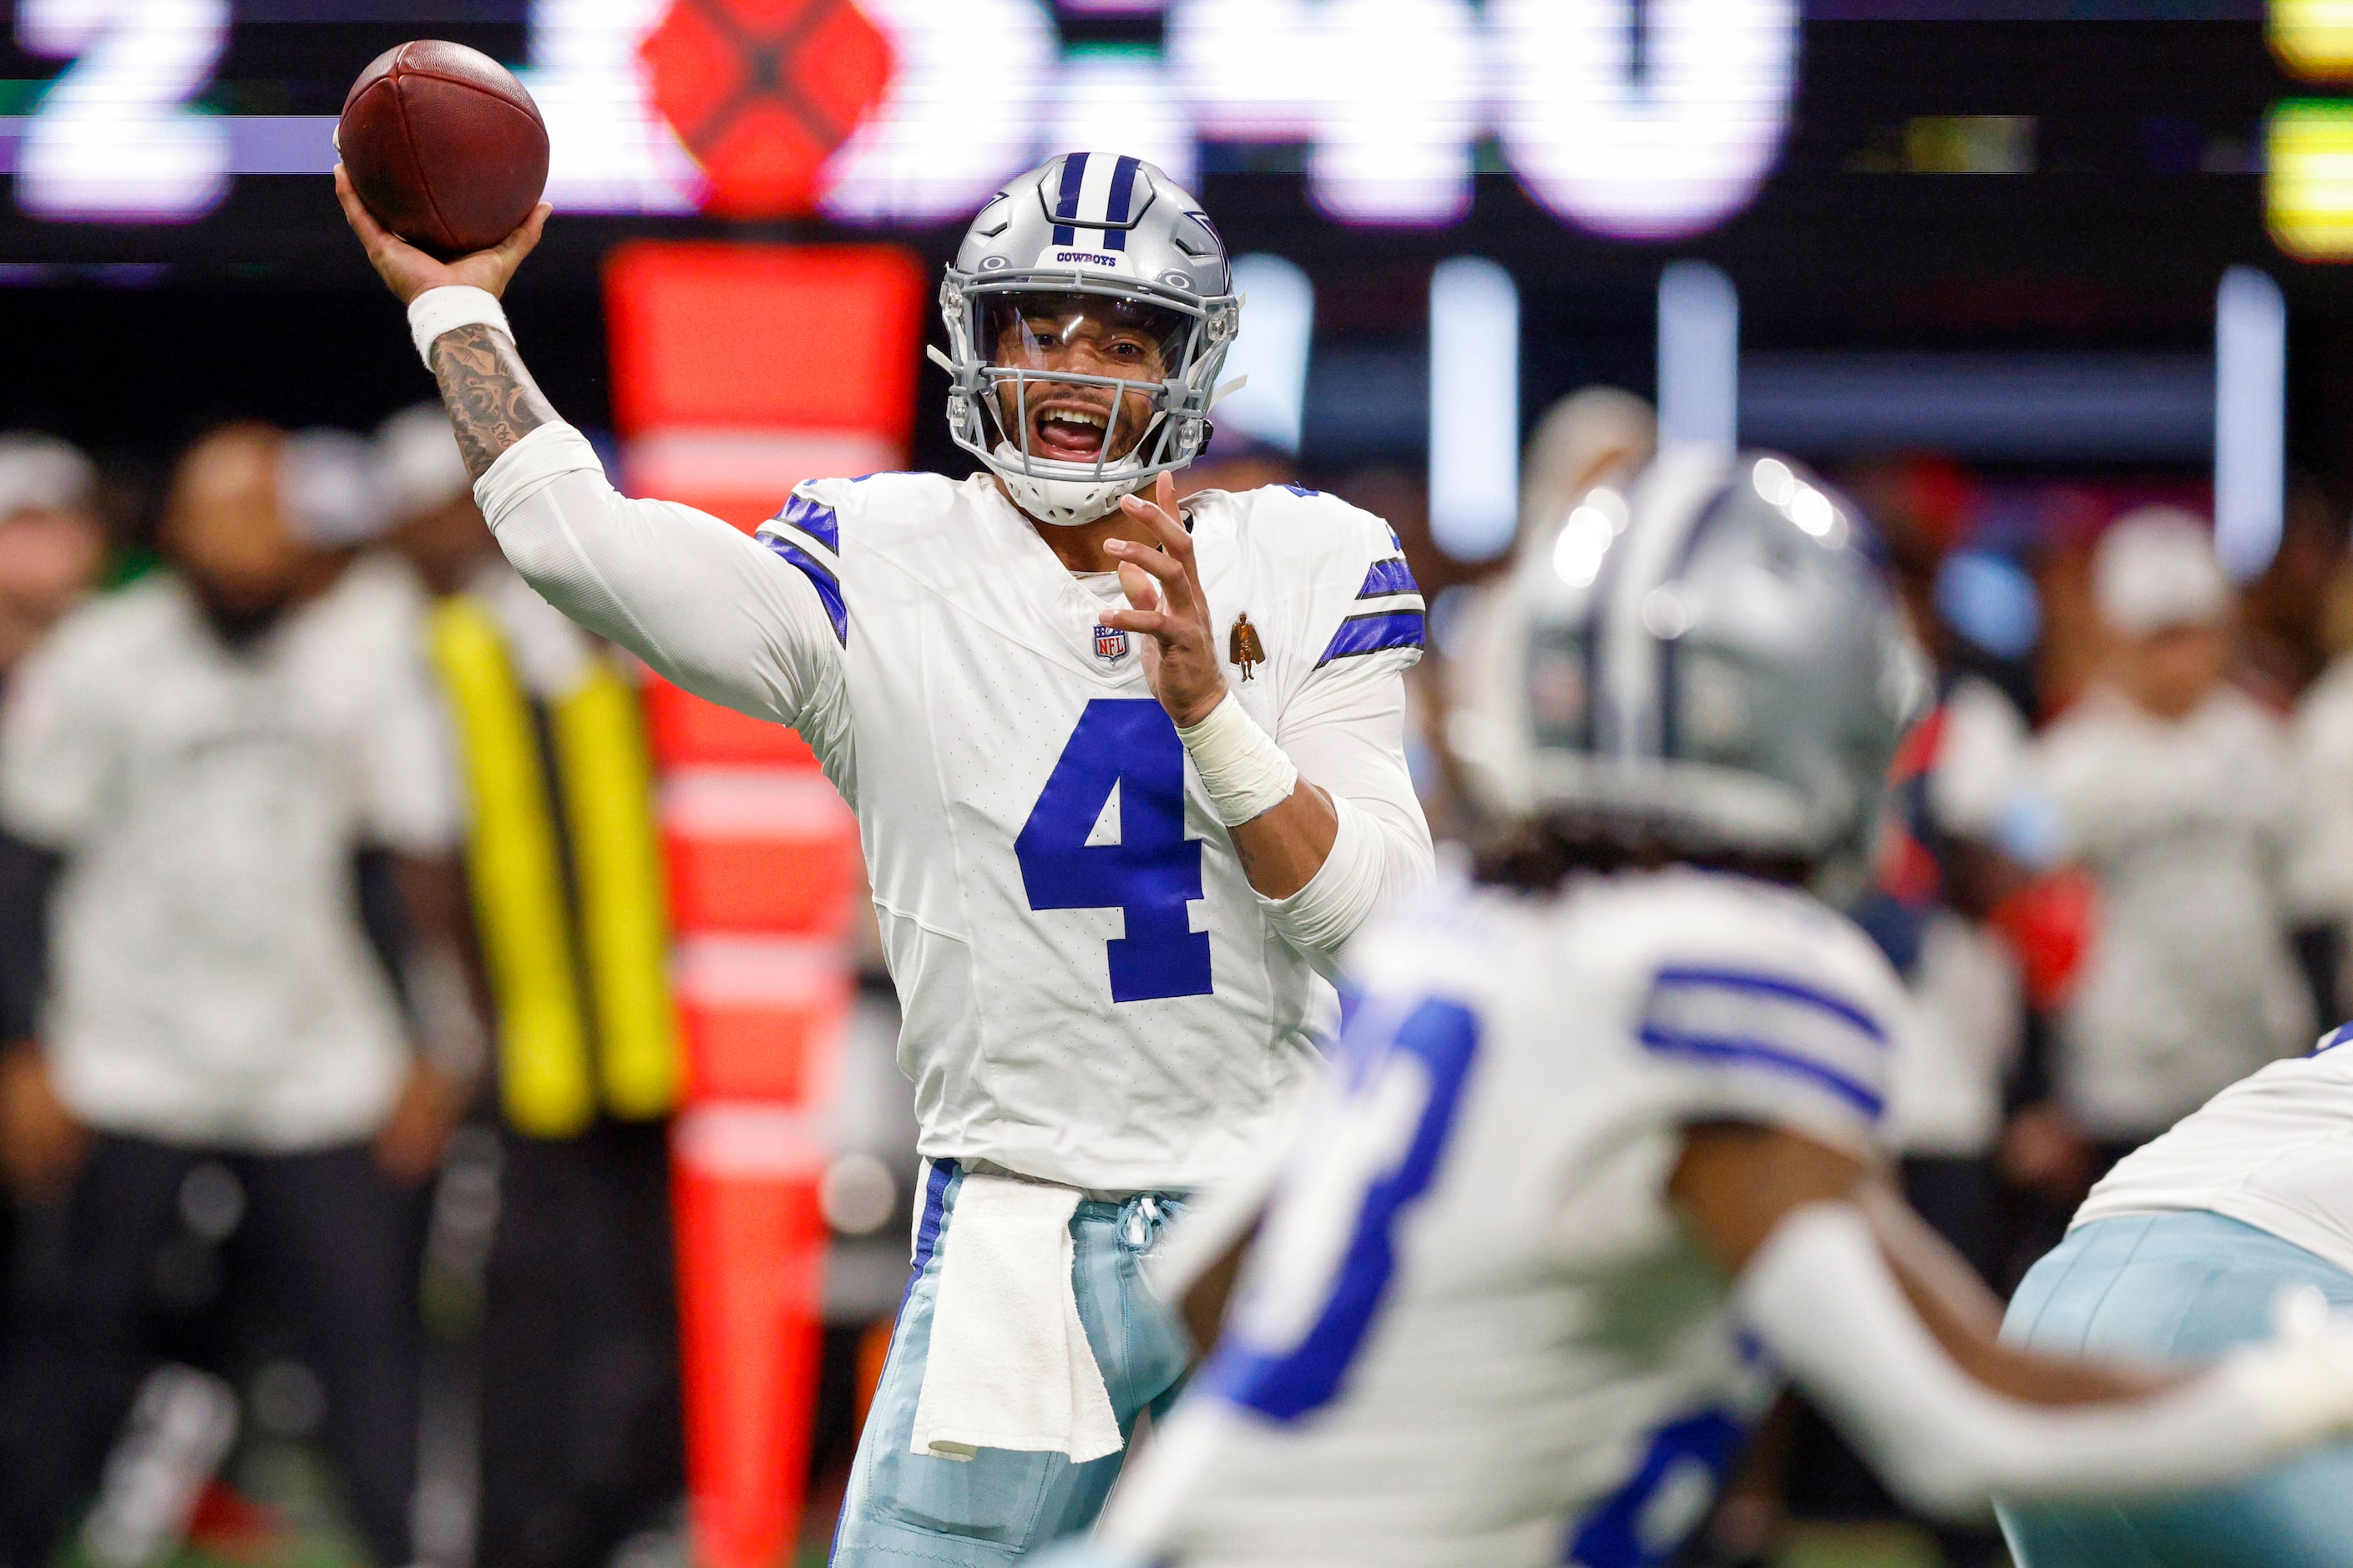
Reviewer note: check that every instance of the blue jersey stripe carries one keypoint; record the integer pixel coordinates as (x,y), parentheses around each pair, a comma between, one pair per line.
(927,1231)
(1066,200)
(1773,985)
(1764,1054)
(1372,633)
(1123,187)
(1390,577)
(829,588)
(815,519)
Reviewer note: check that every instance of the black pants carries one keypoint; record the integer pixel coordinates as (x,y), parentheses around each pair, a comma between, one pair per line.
(330,1242)
(582,1442)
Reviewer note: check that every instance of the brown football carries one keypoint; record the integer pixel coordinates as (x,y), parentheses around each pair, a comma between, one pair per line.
(444,146)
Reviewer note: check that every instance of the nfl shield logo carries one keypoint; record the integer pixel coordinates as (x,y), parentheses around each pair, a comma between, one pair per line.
(1110,645)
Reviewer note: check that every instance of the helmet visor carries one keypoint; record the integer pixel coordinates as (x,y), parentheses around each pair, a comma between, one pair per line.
(1079,377)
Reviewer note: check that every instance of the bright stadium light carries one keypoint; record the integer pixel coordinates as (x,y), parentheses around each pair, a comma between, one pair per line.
(2314,38)
(1667,151)
(1474,408)
(1119,100)
(607,151)
(1386,94)
(1388,98)
(951,129)
(116,137)
(1699,357)
(2249,420)
(1278,324)
(2308,180)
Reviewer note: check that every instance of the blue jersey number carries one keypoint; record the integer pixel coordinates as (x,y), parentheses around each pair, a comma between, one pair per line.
(1147,871)
(1306,1309)
(1646,1520)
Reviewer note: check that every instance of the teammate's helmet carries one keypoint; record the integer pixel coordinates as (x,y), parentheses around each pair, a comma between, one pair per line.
(1711,661)
(1087,228)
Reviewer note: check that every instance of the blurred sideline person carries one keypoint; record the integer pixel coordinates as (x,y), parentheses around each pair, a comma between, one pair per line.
(1597,437)
(204,754)
(2179,1255)
(1126,771)
(1600,1160)
(580,1438)
(2174,788)
(52,546)
(1966,826)
(51,541)
(2321,871)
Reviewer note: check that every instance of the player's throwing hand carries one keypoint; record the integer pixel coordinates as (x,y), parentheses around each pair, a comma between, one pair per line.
(408,271)
(1163,585)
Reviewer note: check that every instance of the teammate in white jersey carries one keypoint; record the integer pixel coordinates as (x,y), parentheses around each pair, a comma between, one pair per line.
(1124,778)
(1599,1166)
(2179,1255)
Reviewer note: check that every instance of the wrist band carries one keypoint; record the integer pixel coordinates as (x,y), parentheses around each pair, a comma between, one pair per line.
(1244,771)
(444,310)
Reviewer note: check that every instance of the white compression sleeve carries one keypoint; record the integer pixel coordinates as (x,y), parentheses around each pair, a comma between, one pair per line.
(702,602)
(1346,733)
(1346,889)
(1822,1297)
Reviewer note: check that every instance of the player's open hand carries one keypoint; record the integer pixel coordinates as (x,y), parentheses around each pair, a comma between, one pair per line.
(408,271)
(1164,588)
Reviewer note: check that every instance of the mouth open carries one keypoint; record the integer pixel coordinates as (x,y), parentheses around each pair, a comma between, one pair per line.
(1069,432)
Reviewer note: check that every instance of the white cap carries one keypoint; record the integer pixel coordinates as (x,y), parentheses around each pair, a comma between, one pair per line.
(1584,438)
(2156,568)
(326,482)
(418,469)
(41,473)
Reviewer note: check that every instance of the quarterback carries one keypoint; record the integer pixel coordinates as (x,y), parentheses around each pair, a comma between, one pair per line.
(1598,1167)
(1125,777)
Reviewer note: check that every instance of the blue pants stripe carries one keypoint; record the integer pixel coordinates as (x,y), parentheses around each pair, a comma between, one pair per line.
(904,1508)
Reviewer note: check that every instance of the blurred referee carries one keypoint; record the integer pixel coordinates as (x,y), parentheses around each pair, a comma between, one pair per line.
(204,754)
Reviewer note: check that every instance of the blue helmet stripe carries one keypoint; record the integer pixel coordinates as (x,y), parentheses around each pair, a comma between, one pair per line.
(1066,200)
(1122,189)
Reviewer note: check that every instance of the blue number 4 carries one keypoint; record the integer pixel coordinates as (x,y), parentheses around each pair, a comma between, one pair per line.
(1127,744)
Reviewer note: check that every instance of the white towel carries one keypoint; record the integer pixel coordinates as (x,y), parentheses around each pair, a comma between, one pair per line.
(1009,1365)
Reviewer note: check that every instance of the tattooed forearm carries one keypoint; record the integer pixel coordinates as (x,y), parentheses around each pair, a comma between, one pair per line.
(491,399)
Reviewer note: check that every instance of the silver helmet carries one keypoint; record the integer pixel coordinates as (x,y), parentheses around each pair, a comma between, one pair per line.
(1710,658)
(1087,237)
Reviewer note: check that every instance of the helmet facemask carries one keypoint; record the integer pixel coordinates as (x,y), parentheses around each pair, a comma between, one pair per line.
(1044,356)
(1077,380)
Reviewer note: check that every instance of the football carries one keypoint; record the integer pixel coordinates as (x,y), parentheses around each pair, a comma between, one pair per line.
(444,146)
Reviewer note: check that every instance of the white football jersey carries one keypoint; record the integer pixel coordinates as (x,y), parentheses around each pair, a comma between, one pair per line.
(2274,1150)
(1471,1331)
(1094,992)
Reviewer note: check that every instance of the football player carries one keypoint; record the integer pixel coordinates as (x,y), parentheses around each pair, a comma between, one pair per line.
(2178,1255)
(1124,775)
(1597,1168)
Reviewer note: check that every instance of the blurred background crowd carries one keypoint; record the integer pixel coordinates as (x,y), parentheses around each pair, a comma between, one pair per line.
(401,1025)
(236,780)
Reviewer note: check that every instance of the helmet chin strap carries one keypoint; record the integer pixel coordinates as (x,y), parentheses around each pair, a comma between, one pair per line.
(1065,503)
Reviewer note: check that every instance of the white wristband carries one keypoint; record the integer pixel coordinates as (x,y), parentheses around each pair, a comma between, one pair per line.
(445,310)
(1244,771)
